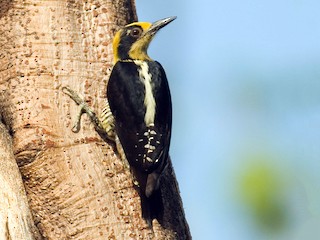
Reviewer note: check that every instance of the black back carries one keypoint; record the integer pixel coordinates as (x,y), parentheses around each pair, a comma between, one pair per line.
(125,94)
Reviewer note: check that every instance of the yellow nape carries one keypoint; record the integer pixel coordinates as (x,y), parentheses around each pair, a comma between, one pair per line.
(115,45)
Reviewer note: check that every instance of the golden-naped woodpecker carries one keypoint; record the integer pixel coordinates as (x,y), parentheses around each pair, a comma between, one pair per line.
(139,99)
(138,111)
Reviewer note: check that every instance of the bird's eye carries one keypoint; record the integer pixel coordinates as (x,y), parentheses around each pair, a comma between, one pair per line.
(136,32)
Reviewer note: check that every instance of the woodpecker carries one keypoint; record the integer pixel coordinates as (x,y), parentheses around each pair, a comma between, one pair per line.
(138,111)
(139,98)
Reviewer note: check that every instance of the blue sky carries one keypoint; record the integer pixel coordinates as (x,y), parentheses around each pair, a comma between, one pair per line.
(245,80)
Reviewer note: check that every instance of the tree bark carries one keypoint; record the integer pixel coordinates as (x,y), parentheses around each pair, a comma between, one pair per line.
(76,185)
(15,217)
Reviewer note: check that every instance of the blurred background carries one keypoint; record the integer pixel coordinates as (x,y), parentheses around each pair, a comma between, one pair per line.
(245,83)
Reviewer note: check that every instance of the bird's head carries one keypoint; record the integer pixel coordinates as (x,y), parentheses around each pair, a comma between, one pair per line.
(132,41)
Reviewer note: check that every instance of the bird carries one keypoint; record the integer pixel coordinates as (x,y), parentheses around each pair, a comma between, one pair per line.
(139,99)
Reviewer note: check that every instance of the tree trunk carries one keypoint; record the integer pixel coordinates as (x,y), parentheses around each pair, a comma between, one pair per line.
(15,217)
(76,185)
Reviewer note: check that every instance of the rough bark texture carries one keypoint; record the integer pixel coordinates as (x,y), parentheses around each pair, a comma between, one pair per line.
(15,217)
(76,185)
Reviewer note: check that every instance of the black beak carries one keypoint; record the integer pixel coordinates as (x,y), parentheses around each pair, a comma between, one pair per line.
(156,26)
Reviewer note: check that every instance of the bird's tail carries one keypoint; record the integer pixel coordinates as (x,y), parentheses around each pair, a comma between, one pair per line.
(150,195)
(152,206)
